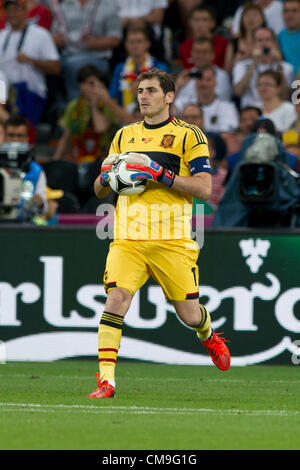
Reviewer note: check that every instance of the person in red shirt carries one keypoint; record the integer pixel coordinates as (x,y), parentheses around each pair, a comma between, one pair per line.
(202,23)
(36,12)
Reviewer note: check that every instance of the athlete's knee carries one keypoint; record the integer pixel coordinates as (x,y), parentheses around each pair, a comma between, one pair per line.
(118,301)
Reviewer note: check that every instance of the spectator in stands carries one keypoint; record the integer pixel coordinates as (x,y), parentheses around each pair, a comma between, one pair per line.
(193,114)
(50,216)
(202,23)
(248,116)
(234,140)
(266,55)
(86,32)
(223,10)
(218,115)
(37,13)
(123,85)
(149,11)
(240,48)
(28,53)
(203,56)
(184,9)
(87,121)
(289,38)
(282,113)
(272,12)
(17,130)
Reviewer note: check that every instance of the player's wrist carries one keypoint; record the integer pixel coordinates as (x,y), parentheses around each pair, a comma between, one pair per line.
(166,177)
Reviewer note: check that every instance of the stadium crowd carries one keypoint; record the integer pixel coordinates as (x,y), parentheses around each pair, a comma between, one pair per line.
(70,69)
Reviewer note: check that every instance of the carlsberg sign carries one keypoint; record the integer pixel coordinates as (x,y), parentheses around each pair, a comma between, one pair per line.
(52,297)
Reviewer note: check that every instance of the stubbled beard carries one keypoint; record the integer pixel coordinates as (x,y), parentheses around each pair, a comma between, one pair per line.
(146,113)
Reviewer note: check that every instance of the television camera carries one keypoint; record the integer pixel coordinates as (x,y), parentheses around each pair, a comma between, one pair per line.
(263,190)
(15,161)
(268,186)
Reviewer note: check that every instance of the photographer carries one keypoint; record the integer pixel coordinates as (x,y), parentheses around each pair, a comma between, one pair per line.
(203,56)
(266,55)
(17,130)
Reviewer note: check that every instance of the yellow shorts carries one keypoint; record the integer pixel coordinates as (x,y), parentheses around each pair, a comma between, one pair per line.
(171,263)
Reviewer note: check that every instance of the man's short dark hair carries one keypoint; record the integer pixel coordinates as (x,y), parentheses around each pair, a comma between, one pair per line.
(264,123)
(206,8)
(88,71)
(166,82)
(136,30)
(208,67)
(16,121)
(203,40)
(251,108)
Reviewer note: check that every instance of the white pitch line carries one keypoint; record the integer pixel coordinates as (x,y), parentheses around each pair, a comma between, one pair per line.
(38,407)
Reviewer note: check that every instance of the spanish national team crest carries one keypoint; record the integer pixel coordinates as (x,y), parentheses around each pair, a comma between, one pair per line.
(167,141)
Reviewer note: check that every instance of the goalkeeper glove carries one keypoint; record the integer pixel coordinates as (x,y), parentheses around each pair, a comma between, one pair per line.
(106,167)
(148,169)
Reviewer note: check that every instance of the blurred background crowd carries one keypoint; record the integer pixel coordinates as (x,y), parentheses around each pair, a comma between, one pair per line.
(68,72)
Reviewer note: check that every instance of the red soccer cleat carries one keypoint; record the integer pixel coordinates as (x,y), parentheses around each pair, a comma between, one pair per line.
(218,351)
(104,389)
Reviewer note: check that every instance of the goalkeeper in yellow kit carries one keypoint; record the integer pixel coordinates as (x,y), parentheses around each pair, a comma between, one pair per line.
(173,157)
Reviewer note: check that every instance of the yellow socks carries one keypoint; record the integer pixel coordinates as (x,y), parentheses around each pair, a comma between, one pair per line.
(204,329)
(109,338)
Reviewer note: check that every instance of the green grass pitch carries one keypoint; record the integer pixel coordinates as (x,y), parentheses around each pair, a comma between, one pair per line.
(163,407)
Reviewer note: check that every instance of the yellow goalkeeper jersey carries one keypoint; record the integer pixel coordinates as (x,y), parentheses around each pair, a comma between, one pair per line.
(160,212)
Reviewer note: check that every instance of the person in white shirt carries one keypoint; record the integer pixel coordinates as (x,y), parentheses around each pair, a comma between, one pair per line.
(151,11)
(266,55)
(282,113)
(218,115)
(27,54)
(86,33)
(272,11)
(202,55)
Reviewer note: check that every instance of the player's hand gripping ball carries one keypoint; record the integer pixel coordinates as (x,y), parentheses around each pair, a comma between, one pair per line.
(107,166)
(147,169)
(121,179)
